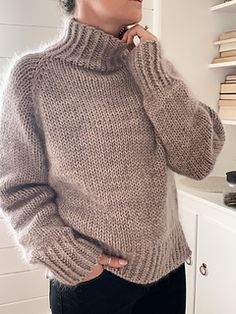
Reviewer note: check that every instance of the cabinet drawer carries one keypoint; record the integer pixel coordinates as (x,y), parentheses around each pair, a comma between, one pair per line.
(6,235)
(22,286)
(11,260)
(34,306)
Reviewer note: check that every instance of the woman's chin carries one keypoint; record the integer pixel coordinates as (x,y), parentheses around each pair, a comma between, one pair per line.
(135,19)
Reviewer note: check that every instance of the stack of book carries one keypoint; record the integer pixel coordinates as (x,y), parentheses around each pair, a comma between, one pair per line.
(227,47)
(227,101)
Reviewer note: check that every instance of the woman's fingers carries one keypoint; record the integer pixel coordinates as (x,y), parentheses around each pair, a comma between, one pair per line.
(137,30)
(105,260)
(112,261)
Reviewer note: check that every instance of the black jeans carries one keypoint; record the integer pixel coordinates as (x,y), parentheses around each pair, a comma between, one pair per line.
(110,294)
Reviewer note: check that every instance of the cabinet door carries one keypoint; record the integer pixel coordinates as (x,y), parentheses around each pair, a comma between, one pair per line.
(23,287)
(216,267)
(188,221)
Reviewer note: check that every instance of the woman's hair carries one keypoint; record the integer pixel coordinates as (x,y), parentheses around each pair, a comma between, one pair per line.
(68,6)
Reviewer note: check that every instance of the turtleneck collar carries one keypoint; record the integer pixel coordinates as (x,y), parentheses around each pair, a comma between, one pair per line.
(90,47)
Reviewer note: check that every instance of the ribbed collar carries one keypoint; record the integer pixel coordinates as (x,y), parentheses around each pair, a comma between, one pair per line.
(90,47)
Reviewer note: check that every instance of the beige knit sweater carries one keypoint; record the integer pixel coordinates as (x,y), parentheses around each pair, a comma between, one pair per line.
(90,134)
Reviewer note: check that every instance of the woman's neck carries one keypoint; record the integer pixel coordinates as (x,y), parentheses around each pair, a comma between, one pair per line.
(90,47)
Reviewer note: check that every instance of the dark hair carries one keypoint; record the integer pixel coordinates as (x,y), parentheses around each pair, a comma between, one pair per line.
(68,6)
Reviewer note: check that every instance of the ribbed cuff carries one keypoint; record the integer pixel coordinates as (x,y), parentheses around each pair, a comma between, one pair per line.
(151,71)
(68,259)
(219,131)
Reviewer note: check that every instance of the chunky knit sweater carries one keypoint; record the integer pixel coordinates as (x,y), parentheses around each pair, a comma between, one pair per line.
(91,134)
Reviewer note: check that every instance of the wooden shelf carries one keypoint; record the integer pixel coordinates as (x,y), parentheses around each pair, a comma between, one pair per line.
(229,122)
(229,7)
(224,41)
(222,64)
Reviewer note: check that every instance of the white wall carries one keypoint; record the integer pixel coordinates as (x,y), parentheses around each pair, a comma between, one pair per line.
(187,30)
(27,25)
(24,26)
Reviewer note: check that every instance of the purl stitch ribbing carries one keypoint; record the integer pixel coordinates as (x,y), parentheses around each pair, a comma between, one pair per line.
(90,135)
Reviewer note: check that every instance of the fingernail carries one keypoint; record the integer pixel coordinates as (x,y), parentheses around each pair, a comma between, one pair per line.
(122,262)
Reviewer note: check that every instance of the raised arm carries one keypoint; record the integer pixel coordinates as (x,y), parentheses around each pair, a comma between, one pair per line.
(26,199)
(190,131)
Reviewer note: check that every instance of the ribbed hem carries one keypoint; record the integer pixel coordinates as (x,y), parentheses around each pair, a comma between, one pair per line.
(150,69)
(68,259)
(148,264)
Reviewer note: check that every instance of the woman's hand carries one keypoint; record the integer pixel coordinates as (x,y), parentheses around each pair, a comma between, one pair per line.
(137,30)
(104,260)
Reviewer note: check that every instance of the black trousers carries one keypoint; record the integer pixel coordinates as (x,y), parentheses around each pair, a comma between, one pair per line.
(110,294)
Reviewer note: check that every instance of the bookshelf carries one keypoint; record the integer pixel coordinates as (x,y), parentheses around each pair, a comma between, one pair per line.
(227,7)
(222,64)
(189,45)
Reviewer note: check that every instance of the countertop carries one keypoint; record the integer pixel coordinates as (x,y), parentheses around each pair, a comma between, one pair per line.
(215,198)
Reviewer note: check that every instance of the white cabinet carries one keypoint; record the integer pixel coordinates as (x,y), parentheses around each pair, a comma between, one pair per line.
(210,230)
(216,271)
(188,220)
(23,287)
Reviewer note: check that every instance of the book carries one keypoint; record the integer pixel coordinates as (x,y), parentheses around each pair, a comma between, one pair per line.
(227,46)
(231,76)
(225,41)
(227,102)
(228,53)
(226,59)
(227,112)
(227,96)
(228,34)
(227,88)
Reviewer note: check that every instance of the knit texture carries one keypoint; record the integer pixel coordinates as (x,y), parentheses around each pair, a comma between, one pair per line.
(90,137)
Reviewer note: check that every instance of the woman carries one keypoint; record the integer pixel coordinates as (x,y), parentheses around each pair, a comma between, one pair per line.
(92,129)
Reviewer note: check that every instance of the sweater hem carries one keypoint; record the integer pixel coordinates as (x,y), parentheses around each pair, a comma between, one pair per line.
(148,265)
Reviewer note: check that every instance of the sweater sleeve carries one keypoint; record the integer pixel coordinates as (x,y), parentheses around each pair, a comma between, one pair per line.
(190,131)
(27,201)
